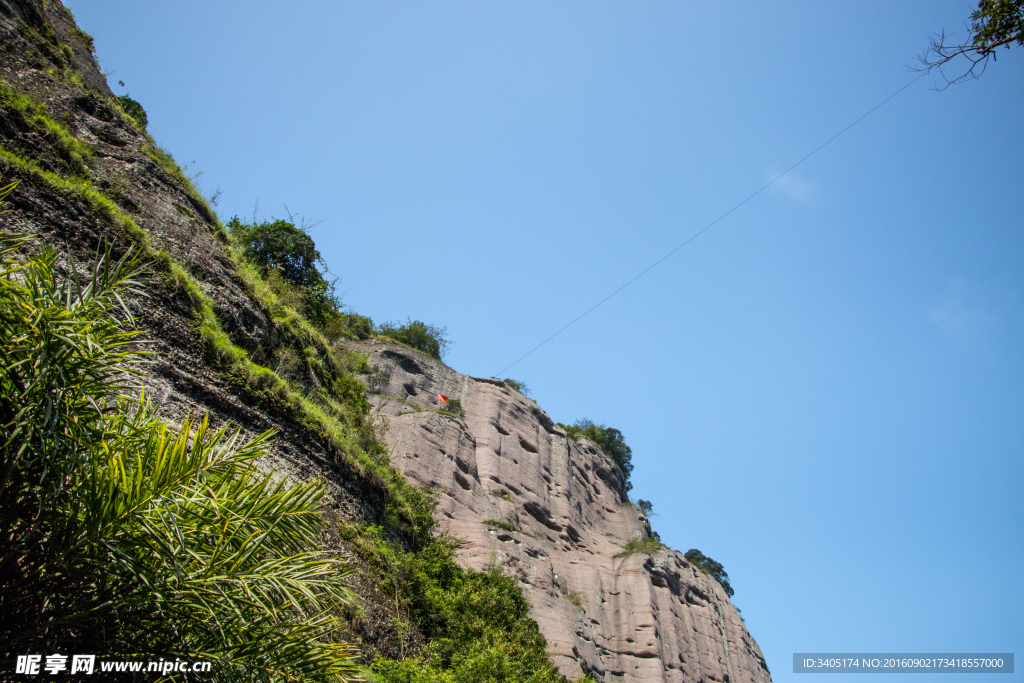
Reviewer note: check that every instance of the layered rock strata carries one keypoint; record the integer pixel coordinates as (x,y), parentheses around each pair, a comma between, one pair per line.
(523,495)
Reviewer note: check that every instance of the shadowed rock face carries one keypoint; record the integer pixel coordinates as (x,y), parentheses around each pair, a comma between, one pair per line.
(637,618)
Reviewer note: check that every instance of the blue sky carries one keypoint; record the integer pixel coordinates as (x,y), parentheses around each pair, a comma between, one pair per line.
(823,392)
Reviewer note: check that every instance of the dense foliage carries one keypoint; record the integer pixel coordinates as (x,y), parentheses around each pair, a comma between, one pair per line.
(133,109)
(518,386)
(609,440)
(996,23)
(287,258)
(282,247)
(709,566)
(475,624)
(419,335)
(124,536)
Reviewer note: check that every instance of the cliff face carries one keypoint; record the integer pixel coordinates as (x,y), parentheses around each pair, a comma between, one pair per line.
(635,618)
(55,202)
(640,617)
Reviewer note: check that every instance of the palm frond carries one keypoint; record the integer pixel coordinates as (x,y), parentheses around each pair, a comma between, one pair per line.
(125,535)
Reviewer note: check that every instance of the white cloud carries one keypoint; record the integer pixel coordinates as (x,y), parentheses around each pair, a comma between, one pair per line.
(962,313)
(790,184)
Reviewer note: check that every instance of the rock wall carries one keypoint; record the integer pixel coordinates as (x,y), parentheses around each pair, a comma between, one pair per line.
(507,465)
(640,617)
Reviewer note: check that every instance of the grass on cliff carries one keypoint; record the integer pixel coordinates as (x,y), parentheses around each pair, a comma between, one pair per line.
(337,412)
(475,625)
(502,524)
(640,544)
(72,155)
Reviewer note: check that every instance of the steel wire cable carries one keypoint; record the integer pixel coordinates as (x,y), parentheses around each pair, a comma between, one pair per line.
(711,224)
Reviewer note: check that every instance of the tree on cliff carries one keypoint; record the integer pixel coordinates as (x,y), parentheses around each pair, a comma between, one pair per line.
(709,566)
(419,335)
(995,24)
(288,249)
(609,440)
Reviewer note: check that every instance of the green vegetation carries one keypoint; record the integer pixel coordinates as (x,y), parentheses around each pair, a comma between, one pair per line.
(640,544)
(609,440)
(71,156)
(418,335)
(340,420)
(40,34)
(454,408)
(124,536)
(134,110)
(351,325)
(84,38)
(502,493)
(709,566)
(288,251)
(280,245)
(518,386)
(575,597)
(165,161)
(502,524)
(995,24)
(166,487)
(285,256)
(474,625)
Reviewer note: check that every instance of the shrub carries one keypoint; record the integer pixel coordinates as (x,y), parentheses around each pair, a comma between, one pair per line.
(646,507)
(349,324)
(576,598)
(72,155)
(609,440)
(124,536)
(454,407)
(420,336)
(709,566)
(287,249)
(132,108)
(476,624)
(517,386)
(279,244)
(377,380)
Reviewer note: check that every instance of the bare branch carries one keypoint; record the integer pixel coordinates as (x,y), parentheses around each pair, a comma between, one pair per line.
(939,54)
(995,24)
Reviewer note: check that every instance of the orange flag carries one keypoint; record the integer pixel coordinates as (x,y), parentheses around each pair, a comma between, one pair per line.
(442,398)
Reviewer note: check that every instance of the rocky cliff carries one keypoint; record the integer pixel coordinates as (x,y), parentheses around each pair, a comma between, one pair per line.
(522,494)
(510,483)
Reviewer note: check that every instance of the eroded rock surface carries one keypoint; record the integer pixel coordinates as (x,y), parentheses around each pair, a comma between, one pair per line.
(507,465)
